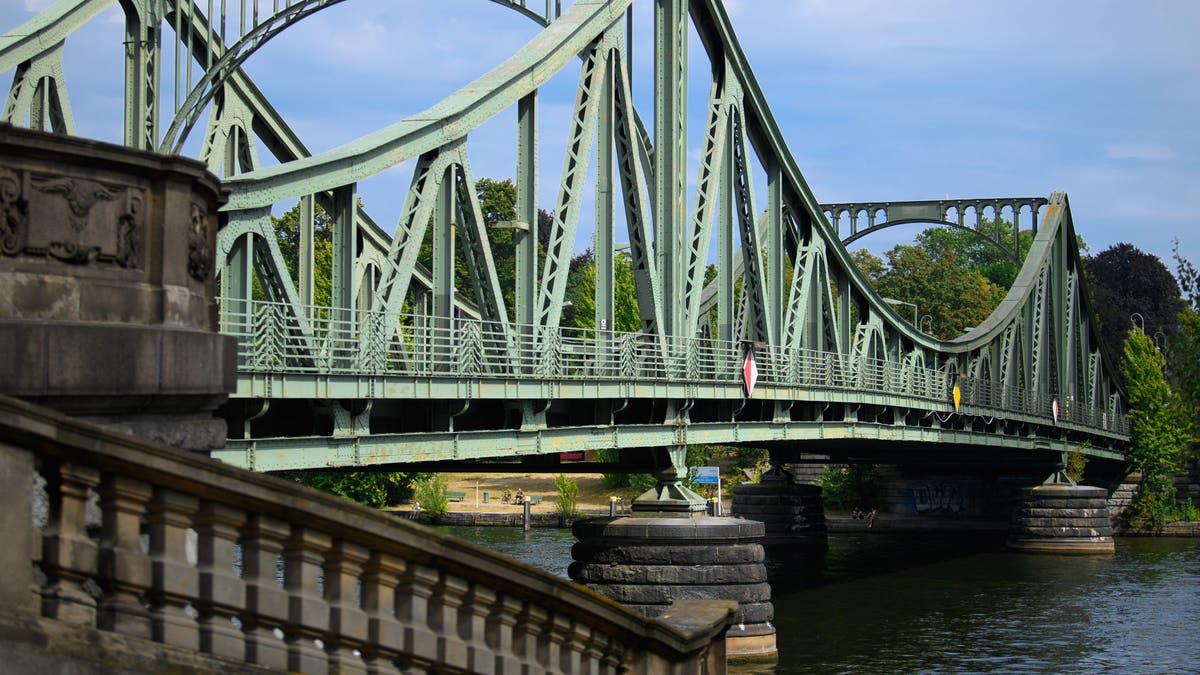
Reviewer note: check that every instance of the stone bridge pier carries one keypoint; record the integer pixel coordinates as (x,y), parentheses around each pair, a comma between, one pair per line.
(669,549)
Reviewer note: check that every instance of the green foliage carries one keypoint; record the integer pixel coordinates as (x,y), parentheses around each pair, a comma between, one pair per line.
(372,488)
(1188,277)
(1161,430)
(939,283)
(1076,463)
(1124,280)
(568,495)
(1187,512)
(431,492)
(976,253)
(846,486)
(1183,354)
(287,233)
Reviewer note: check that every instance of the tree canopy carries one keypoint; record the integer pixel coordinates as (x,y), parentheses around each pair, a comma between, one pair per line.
(1123,281)
(937,282)
(1162,428)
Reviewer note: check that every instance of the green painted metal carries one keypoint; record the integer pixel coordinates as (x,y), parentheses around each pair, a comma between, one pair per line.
(403,357)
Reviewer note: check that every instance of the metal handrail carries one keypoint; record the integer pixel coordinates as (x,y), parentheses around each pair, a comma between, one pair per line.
(274,339)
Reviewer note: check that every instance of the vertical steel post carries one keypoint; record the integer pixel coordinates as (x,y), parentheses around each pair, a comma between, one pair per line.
(526,241)
(670,158)
(775,300)
(605,314)
(726,240)
(143,37)
(305,263)
(443,267)
(345,243)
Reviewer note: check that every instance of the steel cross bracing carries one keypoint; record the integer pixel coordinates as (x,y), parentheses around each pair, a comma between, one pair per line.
(406,367)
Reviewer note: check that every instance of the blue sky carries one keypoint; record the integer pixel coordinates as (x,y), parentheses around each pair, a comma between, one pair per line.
(878,100)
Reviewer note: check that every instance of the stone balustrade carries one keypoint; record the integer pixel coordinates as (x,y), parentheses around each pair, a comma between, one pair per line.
(145,558)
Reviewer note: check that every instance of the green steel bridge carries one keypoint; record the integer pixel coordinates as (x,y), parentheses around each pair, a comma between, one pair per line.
(405,368)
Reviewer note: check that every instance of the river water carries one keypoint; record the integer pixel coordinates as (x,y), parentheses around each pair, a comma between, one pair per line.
(889,603)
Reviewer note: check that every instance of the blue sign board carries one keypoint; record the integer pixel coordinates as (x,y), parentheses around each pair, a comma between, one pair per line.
(706,474)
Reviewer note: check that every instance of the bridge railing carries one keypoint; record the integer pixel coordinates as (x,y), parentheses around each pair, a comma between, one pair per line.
(273,340)
(145,550)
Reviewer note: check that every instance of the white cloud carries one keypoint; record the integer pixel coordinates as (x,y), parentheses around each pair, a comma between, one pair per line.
(1146,151)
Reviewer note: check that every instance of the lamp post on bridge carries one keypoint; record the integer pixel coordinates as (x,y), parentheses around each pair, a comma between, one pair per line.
(897,302)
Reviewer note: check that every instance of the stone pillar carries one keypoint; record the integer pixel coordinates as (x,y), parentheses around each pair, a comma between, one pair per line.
(1061,518)
(669,550)
(792,515)
(106,274)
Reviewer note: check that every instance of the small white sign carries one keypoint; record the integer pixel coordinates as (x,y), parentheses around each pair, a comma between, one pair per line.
(603,324)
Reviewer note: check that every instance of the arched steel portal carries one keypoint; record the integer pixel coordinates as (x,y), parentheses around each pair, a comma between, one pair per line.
(406,366)
(936,212)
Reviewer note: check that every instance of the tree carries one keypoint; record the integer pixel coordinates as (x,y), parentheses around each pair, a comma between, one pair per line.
(940,286)
(287,233)
(581,291)
(1183,348)
(976,253)
(1123,281)
(1161,429)
(372,488)
(1188,276)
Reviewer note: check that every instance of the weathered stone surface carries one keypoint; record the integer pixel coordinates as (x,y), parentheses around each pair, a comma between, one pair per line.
(747,613)
(670,574)
(732,554)
(106,287)
(1062,518)
(792,514)
(643,531)
(665,594)
(647,563)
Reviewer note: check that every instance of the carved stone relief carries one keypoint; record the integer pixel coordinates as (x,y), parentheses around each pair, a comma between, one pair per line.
(200,254)
(82,221)
(14,213)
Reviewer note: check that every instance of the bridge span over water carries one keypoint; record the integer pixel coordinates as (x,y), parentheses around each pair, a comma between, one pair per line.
(787,347)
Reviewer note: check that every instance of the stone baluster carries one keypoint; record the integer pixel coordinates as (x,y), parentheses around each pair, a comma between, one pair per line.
(501,634)
(444,606)
(175,580)
(559,658)
(592,652)
(69,556)
(125,569)
(385,635)
(347,620)
(266,601)
(472,626)
(575,638)
(415,593)
(531,643)
(308,613)
(612,656)
(222,591)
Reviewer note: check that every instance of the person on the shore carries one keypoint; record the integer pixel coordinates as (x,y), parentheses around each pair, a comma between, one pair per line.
(871,518)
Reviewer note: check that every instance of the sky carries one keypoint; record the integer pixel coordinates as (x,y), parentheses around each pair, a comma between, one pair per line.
(877,100)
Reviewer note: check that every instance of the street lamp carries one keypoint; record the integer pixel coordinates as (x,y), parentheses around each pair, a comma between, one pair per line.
(895,302)
(927,318)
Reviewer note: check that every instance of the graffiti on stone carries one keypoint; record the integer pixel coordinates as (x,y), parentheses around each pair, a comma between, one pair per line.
(938,497)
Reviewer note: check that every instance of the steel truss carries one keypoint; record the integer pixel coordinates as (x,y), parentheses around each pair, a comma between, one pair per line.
(405,367)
